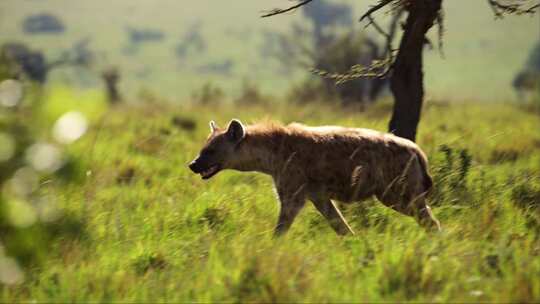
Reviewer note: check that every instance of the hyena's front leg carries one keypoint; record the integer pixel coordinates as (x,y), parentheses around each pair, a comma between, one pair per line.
(291,200)
(331,212)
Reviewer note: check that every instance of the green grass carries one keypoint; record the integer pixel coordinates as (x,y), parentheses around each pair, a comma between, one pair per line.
(154,232)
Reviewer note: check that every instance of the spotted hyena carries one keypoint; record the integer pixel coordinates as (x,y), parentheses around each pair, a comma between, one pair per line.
(323,164)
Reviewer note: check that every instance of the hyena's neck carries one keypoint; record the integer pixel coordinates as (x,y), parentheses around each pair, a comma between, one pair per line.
(259,151)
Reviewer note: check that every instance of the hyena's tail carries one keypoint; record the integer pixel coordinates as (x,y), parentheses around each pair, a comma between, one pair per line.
(428,181)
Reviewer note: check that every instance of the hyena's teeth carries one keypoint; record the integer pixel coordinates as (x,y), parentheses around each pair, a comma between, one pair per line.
(210,171)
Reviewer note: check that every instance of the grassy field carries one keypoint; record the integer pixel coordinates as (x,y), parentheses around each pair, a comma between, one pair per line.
(151,231)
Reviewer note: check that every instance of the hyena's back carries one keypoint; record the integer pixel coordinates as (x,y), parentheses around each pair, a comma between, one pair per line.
(351,164)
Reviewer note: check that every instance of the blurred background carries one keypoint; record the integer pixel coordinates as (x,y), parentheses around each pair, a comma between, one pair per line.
(103,103)
(171,47)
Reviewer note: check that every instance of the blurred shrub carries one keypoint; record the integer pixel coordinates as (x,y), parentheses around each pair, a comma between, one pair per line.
(323,15)
(526,196)
(192,42)
(147,96)
(214,217)
(43,24)
(310,91)
(327,44)
(32,64)
(208,94)
(8,68)
(125,175)
(139,36)
(147,261)
(504,155)
(527,80)
(222,67)
(144,35)
(250,95)
(29,216)
(338,57)
(450,174)
(184,123)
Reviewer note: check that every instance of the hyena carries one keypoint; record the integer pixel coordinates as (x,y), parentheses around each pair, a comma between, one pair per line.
(323,164)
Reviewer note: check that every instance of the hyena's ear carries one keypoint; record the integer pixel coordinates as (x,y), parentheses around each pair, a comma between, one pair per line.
(213,126)
(236,131)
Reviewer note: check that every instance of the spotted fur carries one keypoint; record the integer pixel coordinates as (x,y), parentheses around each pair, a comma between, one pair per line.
(324,164)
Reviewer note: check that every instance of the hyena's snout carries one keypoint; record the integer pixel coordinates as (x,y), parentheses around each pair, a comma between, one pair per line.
(204,168)
(194,166)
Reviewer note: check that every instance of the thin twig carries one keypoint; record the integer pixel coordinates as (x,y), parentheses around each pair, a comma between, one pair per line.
(392,32)
(374,8)
(377,27)
(278,11)
(500,9)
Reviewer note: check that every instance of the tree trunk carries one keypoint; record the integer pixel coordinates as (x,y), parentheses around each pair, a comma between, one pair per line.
(407,80)
(111,77)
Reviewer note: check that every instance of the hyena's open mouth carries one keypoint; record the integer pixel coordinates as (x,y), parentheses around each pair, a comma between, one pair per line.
(206,174)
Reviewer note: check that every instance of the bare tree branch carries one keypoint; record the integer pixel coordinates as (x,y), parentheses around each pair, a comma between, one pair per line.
(374,8)
(392,31)
(389,36)
(499,9)
(278,11)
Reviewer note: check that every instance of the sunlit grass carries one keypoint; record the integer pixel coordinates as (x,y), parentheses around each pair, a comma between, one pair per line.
(154,232)
(61,99)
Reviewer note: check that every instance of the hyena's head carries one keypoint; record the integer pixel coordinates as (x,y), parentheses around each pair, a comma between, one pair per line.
(220,149)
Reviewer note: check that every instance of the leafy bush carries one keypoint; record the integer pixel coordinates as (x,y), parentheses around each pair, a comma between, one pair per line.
(450,174)
(145,262)
(208,94)
(250,95)
(526,196)
(43,24)
(338,56)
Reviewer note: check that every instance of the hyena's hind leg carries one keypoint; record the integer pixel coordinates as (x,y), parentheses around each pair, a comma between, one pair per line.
(331,212)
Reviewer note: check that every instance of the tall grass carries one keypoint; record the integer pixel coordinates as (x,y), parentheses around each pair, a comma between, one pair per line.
(154,232)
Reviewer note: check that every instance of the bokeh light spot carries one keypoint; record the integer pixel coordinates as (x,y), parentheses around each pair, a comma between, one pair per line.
(47,209)
(20,213)
(7,147)
(10,272)
(70,127)
(11,92)
(44,157)
(24,182)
